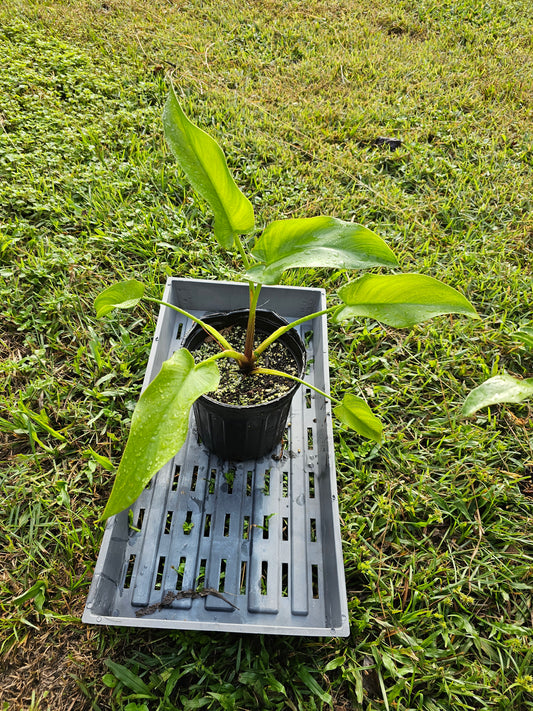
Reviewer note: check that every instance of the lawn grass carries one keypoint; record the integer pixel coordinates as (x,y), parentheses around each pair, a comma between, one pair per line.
(436,523)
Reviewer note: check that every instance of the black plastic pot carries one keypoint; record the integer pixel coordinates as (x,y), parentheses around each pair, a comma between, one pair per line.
(238,432)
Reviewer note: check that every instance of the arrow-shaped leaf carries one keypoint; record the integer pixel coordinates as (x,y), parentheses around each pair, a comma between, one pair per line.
(159,424)
(316,242)
(123,295)
(400,300)
(500,389)
(204,164)
(356,414)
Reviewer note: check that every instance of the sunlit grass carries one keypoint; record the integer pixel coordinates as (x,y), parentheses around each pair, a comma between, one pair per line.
(436,523)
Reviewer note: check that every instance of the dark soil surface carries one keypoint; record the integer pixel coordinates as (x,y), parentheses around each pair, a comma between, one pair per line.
(238,389)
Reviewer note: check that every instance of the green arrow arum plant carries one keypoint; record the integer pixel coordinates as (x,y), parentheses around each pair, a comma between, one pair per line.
(502,389)
(160,420)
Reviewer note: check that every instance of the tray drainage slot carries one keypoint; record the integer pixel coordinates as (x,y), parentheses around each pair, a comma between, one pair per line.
(242,588)
(180,572)
(264,577)
(222,576)
(284,580)
(266,484)
(200,578)
(140,519)
(246,527)
(176,477)
(285,529)
(266,521)
(312,529)
(168,522)
(229,476)
(160,571)
(311,485)
(188,524)
(285,484)
(314,581)
(129,572)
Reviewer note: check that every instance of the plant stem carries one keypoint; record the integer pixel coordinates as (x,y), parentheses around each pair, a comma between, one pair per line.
(283,329)
(225,354)
(271,371)
(242,252)
(255,290)
(212,331)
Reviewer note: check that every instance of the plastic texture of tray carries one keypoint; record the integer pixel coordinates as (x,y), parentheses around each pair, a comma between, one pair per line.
(246,547)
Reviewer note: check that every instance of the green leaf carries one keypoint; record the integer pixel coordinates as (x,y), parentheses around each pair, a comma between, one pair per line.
(316,242)
(123,295)
(359,688)
(203,162)
(526,336)
(159,424)
(500,389)
(129,679)
(400,300)
(313,685)
(335,663)
(37,593)
(276,685)
(104,462)
(42,420)
(110,680)
(194,703)
(356,414)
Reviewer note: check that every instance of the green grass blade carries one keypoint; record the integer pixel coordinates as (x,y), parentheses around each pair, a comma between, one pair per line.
(37,593)
(313,686)
(42,420)
(104,462)
(526,336)
(129,679)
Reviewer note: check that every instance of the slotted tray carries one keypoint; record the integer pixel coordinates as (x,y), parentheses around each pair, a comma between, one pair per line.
(263,535)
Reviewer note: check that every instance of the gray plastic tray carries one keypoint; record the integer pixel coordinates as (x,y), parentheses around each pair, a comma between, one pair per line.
(264,535)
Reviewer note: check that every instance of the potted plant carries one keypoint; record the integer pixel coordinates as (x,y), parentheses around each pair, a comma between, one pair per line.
(160,420)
